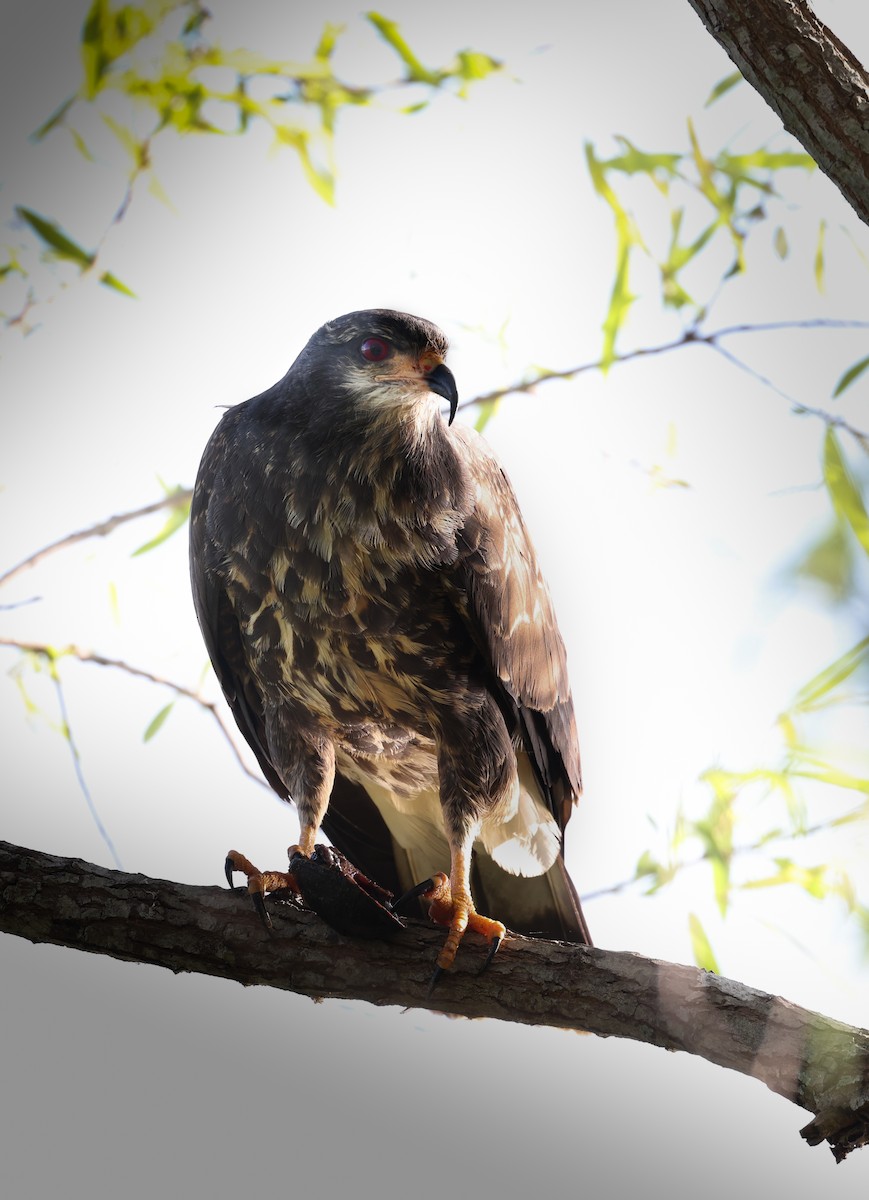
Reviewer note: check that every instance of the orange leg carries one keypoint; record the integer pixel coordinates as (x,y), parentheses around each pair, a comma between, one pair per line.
(260,882)
(451,904)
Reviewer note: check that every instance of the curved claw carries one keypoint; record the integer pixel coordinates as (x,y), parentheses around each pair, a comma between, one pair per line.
(493,950)
(437,973)
(259,905)
(413,893)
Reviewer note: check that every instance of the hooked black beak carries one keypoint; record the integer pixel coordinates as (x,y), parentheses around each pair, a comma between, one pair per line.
(441,382)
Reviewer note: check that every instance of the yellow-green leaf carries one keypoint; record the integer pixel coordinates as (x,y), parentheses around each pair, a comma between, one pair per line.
(721,883)
(177,517)
(819,257)
(390,33)
(723,86)
(107,279)
(701,947)
(812,693)
(850,376)
(158,721)
(54,237)
(843,489)
(54,120)
(487,410)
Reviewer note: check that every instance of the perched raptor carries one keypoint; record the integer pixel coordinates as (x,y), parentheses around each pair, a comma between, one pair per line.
(374,611)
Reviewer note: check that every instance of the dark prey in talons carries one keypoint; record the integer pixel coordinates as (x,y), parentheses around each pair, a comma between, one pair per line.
(374,611)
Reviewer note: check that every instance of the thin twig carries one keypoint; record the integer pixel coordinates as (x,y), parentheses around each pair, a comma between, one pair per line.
(89,656)
(694,337)
(691,337)
(175,499)
(77,767)
(737,852)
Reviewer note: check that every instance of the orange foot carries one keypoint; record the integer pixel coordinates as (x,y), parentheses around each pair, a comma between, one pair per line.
(458,912)
(260,882)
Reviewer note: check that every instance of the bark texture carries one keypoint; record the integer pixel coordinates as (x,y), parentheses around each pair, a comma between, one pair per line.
(819,1064)
(807,76)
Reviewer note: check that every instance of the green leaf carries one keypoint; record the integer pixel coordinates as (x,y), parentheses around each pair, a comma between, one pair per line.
(723,86)
(811,879)
(780,242)
(701,946)
(738,165)
(473,65)
(54,237)
(626,237)
(127,138)
(107,279)
(831,561)
(177,517)
(114,602)
(389,31)
(487,410)
(819,257)
(850,376)
(721,883)
(647,864)
(821,685)
(158,721)
(54,120)
(843,489)
(194,24)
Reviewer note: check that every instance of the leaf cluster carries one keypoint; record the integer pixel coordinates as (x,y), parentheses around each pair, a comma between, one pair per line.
(705,199)
(151,66)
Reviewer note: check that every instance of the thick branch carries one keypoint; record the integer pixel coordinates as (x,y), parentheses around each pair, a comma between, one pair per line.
(817,1063)
(807,76)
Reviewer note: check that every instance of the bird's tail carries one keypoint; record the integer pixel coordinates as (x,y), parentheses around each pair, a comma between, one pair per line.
(544,905)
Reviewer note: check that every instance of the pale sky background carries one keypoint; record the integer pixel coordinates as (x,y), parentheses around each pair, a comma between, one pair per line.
(685,635)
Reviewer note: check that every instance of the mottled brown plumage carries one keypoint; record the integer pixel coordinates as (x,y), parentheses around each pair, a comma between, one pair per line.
(374,611)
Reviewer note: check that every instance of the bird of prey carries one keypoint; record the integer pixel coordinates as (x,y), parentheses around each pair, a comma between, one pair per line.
(374,611)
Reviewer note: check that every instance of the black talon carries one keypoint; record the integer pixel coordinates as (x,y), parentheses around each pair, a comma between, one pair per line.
(438,971)
(419,890)
(493,950)
(259,905)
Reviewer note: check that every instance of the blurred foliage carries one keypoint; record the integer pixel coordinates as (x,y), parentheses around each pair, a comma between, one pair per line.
(151,66)
(726,196)
(178,501)
(759,817)
(708,203)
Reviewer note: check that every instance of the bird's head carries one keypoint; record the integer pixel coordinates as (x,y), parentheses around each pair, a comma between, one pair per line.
(379,360)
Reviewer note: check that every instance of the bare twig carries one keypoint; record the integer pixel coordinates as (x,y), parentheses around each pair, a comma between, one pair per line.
(738,851)
(817,1063)
(53,653)
(176,499)
(691,337)
(77,767)
(695,337)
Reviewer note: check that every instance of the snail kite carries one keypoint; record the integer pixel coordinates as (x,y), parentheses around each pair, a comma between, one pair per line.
(374,611)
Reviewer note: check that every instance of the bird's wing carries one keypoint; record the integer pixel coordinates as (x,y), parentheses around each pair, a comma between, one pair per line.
(215,508)
(506,604)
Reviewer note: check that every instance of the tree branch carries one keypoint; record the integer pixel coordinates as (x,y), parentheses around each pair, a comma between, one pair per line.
(54,653)
(808,78)
(694,336)
(818,1063)
(179,498)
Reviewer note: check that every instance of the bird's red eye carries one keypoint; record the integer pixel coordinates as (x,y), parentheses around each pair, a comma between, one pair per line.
(374,349)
